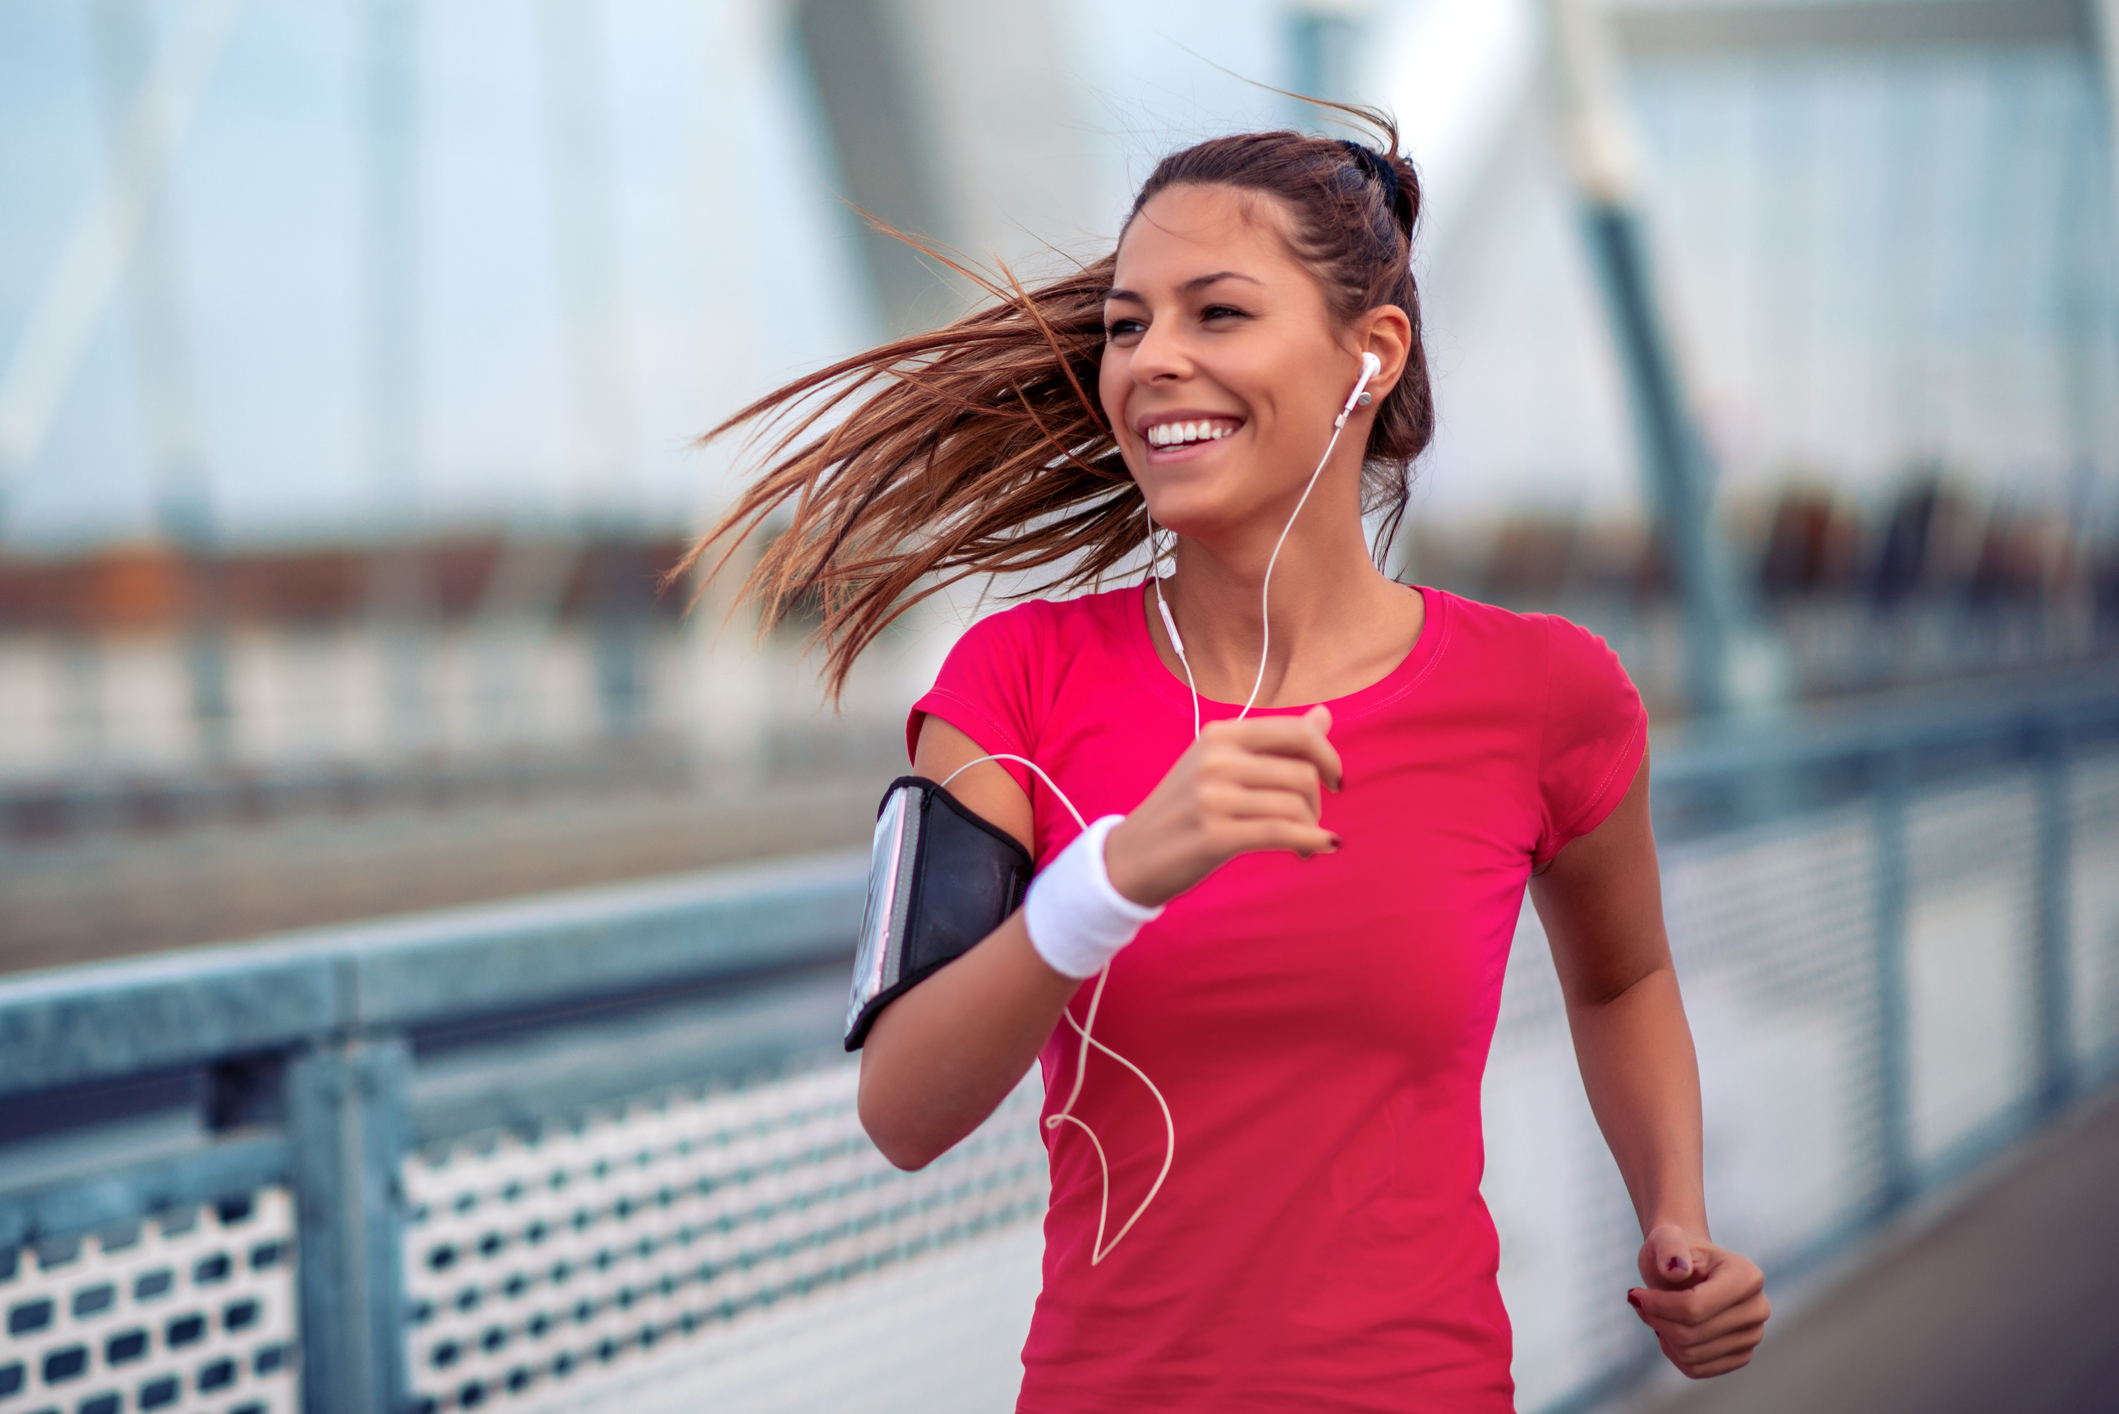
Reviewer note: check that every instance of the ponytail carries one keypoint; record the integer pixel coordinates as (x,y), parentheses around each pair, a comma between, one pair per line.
(981,449)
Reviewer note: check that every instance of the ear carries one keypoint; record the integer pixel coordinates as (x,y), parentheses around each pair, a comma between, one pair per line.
(1386,332)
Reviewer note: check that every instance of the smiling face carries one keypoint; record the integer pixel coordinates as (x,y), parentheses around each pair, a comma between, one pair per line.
(1223,365)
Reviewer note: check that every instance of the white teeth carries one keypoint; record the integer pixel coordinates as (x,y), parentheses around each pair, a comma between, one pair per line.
(1176,434)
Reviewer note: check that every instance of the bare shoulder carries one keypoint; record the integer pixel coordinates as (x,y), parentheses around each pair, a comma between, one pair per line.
(986,789)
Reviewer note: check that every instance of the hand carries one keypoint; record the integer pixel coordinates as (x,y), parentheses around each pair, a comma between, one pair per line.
(1245,785)
(1707,1306)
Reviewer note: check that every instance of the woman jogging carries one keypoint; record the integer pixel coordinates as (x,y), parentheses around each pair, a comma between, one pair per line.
(1282,809)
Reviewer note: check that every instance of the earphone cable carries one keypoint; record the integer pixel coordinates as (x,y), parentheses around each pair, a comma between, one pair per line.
(1065,1113)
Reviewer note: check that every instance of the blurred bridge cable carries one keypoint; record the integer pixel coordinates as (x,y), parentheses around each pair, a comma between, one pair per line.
(101,244)
(398,591)
(1324,39)
(168,386)
(862,86)
(2104,15)
(939,116)
(1728,661)
(598,351)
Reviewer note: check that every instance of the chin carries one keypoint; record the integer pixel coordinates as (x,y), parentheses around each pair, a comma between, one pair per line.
(1195,517)
(1205,508)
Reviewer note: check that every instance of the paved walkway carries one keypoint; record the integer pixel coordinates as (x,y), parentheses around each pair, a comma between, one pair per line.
(2007,1303)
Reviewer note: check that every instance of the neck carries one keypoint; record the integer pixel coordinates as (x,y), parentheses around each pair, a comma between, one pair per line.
(1327,598)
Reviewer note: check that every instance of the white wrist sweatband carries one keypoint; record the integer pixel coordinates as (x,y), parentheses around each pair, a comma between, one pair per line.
(1077,921)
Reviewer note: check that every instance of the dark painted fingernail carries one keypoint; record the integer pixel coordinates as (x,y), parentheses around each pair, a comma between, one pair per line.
(1336,842)
(1633,1299)
(1680,1266)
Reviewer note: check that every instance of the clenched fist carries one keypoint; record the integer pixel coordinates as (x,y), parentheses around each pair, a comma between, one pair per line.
(1706,1305)
(1250,784)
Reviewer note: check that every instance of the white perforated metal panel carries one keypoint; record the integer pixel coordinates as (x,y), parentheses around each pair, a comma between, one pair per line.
(536,1265)
(941,1335)
(184,1312)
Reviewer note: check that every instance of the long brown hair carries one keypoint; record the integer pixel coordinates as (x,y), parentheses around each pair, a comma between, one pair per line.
(980,448)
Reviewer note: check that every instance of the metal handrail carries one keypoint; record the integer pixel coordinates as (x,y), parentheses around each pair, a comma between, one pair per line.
(98,1021)
(306,1041)
(73,1025)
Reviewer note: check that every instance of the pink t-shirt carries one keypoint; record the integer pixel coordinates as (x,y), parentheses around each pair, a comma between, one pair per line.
(1319,1028)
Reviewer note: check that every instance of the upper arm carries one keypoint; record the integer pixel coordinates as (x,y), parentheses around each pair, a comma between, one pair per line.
(986,790)
(1601,901)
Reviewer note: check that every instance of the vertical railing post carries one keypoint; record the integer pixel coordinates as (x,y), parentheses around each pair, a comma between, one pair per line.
(1894,1099)
(349,1123)
(2056,1039)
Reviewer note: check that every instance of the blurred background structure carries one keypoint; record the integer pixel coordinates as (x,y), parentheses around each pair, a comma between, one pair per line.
(352,358)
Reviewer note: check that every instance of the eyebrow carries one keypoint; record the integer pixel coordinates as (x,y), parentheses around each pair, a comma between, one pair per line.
(1197,282)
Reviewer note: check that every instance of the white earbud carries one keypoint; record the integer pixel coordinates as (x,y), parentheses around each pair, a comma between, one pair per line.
(1370,367)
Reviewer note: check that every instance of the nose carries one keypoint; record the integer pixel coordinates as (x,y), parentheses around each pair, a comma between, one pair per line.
(1160,357)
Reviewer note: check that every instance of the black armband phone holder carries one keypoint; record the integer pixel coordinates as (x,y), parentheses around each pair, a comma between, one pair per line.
(939,880)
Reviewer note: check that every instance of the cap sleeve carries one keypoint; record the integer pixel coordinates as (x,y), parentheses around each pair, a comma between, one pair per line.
(988,685)
(1594,735)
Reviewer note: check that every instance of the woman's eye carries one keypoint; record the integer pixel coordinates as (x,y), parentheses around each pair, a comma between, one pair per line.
(1123,328)
(1221,311)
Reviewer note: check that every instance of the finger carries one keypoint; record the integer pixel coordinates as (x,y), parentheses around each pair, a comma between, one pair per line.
(1741,1316)
(1706,1352)
(1712,1368)
(1276,773)
(1254,835)
(1745,1314)
(1669,1254)
(1718,1289)
(1221,802)
(1680,1308)
(1285,736)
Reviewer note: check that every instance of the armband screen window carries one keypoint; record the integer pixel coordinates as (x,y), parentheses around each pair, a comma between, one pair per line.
(939,880)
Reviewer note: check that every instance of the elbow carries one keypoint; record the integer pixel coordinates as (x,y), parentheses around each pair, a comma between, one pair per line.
(904,1156)
(894,1138)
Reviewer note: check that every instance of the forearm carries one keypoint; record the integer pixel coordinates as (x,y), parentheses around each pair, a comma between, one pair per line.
(1637,1062)
(942,1056)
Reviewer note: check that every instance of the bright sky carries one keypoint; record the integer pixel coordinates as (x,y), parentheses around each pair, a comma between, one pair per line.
(1868,262)
(737,262)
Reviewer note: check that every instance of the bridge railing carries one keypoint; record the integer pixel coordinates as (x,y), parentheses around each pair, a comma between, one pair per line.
(523,1155)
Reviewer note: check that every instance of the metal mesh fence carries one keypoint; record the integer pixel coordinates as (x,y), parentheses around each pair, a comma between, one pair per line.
(1877,991)
(2093,908)
(556,1259)
(1776,932)
(188,1311)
